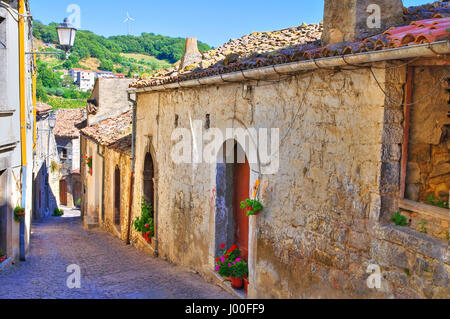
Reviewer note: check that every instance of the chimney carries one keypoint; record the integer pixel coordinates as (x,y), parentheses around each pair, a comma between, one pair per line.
(354,20)
(191,53)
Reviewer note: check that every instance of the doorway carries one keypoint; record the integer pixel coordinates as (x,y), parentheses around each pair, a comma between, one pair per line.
(63,192)
(149,182)
(117,197)
(233,186)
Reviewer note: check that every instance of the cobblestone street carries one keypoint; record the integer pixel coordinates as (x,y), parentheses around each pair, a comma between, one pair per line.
(109,269)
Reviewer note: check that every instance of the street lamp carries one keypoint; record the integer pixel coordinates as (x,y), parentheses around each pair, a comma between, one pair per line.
(66,38)
(66,35)
(52,121)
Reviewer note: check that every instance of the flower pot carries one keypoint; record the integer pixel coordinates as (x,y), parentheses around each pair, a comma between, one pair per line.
(237,283)
(246,286)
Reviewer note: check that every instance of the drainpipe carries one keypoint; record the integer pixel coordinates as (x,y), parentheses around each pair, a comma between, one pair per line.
(133,164)
(23,135)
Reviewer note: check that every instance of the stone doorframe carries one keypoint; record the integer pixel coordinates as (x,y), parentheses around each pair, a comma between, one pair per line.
(254,176)
(149,148)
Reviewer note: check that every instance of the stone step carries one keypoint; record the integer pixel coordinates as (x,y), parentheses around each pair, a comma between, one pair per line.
(90,222)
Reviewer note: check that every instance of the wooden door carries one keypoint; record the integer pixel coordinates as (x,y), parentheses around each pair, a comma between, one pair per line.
(241,190)
(63,192)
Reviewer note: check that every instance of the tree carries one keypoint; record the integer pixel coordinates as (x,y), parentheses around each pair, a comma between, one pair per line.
(106,65)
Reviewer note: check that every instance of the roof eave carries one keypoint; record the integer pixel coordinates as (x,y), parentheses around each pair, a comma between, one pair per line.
(427,50)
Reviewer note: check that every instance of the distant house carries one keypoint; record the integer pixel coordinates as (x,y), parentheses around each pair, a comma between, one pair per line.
(84,79)
(107,140)
(104,74)
(67,139)
(120,75)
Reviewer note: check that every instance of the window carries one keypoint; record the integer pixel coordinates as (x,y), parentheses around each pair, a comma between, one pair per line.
(64,153)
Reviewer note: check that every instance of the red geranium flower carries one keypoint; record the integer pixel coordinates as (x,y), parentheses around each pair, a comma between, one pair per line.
(222,246)
(234,247)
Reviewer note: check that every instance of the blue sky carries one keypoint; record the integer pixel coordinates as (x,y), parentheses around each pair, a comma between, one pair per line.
(213,22)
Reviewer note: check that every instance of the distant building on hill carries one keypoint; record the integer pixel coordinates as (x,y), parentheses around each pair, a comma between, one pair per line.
(104,74)
(84,79)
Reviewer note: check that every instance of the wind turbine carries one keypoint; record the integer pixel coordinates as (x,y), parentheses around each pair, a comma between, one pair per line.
(129,20)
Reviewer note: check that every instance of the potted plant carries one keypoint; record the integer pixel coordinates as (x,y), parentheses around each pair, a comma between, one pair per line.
(2,256)
(145,224)
(230,265)
(252,206)
(19,214)
(58,212)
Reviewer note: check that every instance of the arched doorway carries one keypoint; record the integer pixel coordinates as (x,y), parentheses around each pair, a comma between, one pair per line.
(233,186)
(148,181)
(117,192)
(77,194)
(63,192)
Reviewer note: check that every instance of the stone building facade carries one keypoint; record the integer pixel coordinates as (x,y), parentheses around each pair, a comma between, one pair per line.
(106,138)
(67,138)
(46,174)
(327,212)
(16,133)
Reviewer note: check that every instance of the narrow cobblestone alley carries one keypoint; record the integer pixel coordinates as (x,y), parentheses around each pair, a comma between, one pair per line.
(109,269)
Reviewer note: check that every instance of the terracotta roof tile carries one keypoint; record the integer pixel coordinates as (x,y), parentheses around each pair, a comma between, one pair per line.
(42,107)
(303,43)
(66,121)
(114,133)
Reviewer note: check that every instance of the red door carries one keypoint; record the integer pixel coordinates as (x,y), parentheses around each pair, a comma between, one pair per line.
(241,190)
(63,192)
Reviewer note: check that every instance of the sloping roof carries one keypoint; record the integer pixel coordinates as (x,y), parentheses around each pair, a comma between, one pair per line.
(66,121)
(303,43)
(43,108)
(114,132)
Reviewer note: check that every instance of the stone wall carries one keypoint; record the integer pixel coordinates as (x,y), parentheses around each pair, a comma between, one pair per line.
(326,208)
(115,159)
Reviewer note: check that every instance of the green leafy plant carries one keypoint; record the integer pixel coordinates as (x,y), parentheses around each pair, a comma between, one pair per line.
(432,200)
(422,225)
(399,219)
(252,206)
(79,201)
(19,214)
(58,212)
(145,223)
(231,264)
(53,167)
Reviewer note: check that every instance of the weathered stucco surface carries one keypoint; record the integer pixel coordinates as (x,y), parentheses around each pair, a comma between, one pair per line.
(122,161)
(338,182)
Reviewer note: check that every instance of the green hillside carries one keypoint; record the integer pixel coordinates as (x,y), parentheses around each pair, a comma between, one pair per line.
(131,55)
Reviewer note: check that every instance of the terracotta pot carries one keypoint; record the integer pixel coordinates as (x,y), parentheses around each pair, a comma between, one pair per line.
(246,286)
(237,283)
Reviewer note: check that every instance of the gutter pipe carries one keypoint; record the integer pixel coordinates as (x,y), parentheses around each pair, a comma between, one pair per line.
(23,134)
(431,50)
